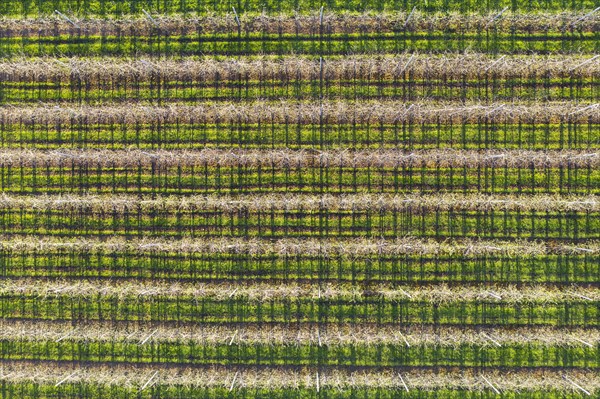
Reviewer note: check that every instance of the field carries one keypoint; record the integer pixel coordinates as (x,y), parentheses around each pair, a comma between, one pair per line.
(299,199)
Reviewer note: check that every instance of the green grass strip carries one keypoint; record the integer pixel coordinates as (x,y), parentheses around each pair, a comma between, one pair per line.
(29,390)
(127,307)
(402,136)
(329,45)
(384,355)
(566,268)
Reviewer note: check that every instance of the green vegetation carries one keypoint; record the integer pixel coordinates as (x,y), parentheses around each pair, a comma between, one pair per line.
(331,45)
(299,199)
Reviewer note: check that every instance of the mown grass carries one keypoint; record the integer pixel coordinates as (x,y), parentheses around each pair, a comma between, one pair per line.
(567,268)
(79,133)
(313,45)
(439,224)
(160,90)
(91,390)
(190,309)
(303,354)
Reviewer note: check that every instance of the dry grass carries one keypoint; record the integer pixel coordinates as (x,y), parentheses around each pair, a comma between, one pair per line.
(268,202)
(357,247)
(280,377)
(260,292)
(286,158)
(331,23)
(300,334)
(293,112)
(386,68)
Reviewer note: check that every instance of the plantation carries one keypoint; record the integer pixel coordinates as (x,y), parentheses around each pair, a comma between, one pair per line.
(299,199)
